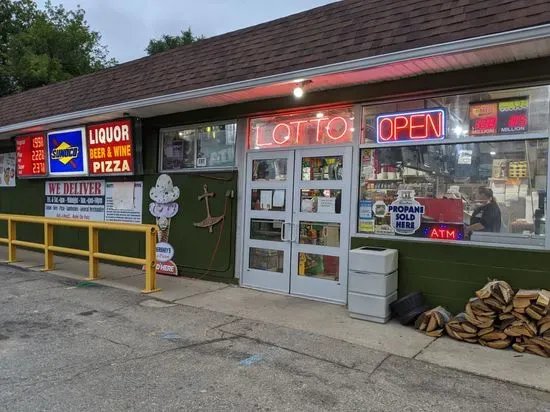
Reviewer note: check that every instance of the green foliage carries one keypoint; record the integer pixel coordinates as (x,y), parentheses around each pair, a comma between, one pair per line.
(167,42)
(39,47)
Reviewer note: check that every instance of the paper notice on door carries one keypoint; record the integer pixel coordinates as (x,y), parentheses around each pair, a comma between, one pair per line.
(123,195)
(266,199)
(279,198)
(117,200)
(307,205)
(326,205)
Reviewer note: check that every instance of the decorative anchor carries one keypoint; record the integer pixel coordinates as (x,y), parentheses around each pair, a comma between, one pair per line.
(209,221)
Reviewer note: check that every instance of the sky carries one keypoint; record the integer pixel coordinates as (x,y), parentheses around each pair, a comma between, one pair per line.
(127,26)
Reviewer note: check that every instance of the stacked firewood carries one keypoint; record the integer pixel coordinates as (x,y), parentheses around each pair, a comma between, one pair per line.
(459,328)
(433,322)
(498,318)
(530,325)
(480,322)
(497,297)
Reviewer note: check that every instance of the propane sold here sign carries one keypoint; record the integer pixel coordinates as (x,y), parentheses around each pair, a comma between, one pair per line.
(405,213)
(110,148)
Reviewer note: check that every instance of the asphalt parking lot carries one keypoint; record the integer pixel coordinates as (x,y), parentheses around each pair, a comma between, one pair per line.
(67,345)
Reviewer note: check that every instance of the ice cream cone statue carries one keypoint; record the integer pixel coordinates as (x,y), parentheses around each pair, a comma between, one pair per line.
(164,228)
(164,207)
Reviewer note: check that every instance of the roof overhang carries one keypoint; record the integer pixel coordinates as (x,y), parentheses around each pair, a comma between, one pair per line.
(523,44)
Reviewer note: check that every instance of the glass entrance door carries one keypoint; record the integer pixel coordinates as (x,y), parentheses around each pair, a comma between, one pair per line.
(297,222)
(320,219)
(268,221)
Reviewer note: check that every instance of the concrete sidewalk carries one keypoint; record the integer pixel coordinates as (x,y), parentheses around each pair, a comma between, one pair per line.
(314,317)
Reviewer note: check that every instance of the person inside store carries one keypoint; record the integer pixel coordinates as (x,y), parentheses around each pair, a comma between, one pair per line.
(486,217)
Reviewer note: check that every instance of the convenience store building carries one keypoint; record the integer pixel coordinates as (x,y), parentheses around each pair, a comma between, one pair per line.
(407,110)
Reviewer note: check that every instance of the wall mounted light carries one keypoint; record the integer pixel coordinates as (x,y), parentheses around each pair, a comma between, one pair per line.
(299,90)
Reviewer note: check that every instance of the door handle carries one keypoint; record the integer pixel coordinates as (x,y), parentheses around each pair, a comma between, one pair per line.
(284,232)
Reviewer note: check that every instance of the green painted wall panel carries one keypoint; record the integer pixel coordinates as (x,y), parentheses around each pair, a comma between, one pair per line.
(194,246)
(449,274)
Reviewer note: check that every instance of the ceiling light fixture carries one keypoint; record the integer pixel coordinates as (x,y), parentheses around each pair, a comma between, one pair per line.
(299,89)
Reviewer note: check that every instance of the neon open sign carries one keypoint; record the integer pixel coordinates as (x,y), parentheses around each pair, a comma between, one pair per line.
(411,126)
(327,127)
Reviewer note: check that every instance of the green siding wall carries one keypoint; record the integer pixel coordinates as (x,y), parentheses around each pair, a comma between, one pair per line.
(449,274)
(194,246)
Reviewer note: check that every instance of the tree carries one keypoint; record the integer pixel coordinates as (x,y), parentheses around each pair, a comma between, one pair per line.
(167,42)
(39,47)
(15,16)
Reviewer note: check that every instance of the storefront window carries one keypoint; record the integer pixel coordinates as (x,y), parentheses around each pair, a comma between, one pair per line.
(459,168)
(488,192)
(447,119)
(205,146)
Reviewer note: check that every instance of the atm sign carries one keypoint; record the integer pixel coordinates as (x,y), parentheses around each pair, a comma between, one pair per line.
(411,126)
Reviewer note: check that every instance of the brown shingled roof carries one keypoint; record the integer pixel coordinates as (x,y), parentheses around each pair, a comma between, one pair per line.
(334,33)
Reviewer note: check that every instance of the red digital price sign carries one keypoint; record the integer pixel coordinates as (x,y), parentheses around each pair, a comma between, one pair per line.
(111,148)
(483,119)
(31,156)
(411,126)
(509,116)
(513,116)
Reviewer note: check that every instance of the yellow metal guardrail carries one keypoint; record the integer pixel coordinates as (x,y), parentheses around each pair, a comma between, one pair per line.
(93,254)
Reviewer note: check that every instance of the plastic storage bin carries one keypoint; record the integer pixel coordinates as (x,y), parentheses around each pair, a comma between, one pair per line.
(372,284)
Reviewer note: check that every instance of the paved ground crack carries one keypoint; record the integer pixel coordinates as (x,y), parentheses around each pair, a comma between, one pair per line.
(379,364)
(225,324)
(275,345)
(197,294)
(109,340)
(424,348)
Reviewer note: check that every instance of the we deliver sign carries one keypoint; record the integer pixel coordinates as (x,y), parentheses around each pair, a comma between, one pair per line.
(110,148)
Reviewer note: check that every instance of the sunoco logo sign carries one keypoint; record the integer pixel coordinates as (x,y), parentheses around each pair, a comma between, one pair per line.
(66,153)
(406,213)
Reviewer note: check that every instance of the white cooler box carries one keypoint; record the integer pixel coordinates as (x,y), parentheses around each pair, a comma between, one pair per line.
(373,260)
(372,283)
(369,307)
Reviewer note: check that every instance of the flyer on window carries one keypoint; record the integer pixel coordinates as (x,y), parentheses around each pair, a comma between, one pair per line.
(7,169)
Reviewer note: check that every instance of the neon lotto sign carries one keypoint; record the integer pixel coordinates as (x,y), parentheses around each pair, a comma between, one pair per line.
(411,126)
(333,127)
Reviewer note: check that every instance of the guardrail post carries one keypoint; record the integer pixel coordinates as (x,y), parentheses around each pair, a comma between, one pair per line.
(151,261)
(93,248)
(48,241)
(11,237)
